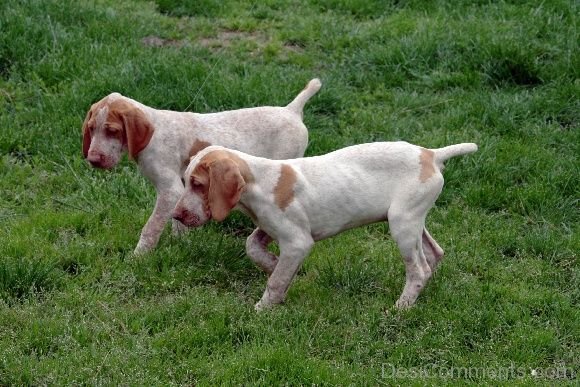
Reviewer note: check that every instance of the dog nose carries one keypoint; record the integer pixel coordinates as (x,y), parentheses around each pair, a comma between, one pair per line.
(96,160)
(95,163)
(178,215)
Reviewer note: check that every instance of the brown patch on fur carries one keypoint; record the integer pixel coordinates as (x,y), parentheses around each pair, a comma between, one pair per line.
(89,124)
(138,130)
(427,166)
(223,176)
(195,148)
(87,134)
(244,168)
(124,122)
(284,190)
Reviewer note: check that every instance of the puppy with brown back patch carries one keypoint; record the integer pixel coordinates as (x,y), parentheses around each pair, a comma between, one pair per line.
(163,141)
(297,202)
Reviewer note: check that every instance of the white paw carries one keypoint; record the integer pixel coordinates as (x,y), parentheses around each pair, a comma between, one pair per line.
(140,250)
(262,305)
(403,303)
(259,306)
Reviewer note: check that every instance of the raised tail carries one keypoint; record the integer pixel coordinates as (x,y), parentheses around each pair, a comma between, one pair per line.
(298,104)
(445,153)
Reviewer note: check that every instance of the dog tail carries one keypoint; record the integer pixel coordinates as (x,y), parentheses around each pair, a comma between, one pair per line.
(445,153)
(298,104)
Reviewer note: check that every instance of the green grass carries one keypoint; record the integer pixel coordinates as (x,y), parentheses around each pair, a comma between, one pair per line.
(77,308)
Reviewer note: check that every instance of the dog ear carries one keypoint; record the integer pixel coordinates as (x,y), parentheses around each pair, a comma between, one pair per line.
(138,130)
(87,133)
(225,187)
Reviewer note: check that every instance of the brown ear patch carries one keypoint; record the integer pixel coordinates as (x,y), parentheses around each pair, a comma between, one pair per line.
(225,187)
(427,166)
(244,168)
(87,134)
(284,190)
(138,128)
(89,120)
(227,175)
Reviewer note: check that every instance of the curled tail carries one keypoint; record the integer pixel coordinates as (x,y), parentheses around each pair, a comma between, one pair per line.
(445,153)
(298,104)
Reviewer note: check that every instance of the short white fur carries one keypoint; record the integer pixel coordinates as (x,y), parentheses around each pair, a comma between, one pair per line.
(273,132)
(357,185)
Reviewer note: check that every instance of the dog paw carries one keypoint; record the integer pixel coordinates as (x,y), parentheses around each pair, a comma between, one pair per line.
(403,303)
(263,305)
(259,306)
(140,250)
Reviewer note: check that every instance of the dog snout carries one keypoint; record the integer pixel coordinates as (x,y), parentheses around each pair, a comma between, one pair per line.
(186,217)
(97,160)
(178,215)
(96,163)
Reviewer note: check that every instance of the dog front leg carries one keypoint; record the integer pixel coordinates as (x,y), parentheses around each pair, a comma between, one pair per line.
(292,255)
(257,249)
(166,200)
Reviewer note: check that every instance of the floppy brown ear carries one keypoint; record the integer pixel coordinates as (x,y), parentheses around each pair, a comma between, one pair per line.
(87,134)
(225,187)
(138,128)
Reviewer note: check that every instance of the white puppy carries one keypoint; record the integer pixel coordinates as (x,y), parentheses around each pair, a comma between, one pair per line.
(163,141)
(300,201)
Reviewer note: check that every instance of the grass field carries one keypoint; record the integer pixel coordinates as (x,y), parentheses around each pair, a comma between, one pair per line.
(77,308)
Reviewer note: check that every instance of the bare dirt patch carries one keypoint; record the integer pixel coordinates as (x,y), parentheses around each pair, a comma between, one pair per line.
(156,41)
(226,38)
(257,43)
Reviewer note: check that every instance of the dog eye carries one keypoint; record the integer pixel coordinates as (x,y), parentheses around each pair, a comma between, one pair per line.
(111,129)
(196,184)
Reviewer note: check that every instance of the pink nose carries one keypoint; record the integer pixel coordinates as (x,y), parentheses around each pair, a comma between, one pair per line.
(178,215)
(97,160)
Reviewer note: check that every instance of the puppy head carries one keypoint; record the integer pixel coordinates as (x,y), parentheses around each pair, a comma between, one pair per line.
(214,182)
(111,126)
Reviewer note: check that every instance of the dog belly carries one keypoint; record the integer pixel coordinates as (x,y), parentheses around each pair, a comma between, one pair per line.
(323,231)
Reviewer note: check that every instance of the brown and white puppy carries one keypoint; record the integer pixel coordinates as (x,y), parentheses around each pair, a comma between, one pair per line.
(163,141)
(300,201)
